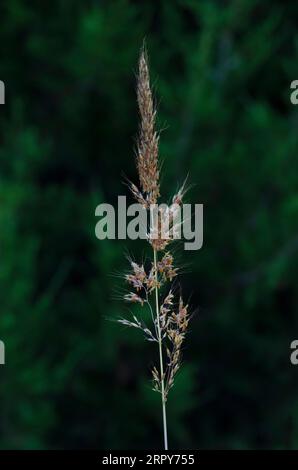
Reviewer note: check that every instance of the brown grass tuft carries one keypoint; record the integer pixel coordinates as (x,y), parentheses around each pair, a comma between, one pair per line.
(147,151)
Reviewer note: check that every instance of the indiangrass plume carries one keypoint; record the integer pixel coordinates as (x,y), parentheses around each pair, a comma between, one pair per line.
(169,314)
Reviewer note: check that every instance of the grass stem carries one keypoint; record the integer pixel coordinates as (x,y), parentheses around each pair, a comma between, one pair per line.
(162,378)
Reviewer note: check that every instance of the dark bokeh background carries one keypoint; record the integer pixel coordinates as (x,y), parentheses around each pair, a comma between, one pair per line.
(222,72)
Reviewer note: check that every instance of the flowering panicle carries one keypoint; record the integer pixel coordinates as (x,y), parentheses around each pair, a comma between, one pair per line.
(166,268)
(139,196)
(138,277)
(147,152)
(169,319)
(165,225)
(176,333)
(172,320)
(132,297)
(165,309)
(141,326)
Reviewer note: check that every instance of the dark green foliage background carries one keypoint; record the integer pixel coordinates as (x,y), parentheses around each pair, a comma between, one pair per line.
(222,72)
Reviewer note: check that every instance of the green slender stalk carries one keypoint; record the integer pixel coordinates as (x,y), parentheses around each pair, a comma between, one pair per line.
(163,397)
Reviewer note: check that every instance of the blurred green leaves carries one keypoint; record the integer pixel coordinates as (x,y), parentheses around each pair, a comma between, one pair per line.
(221,73)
